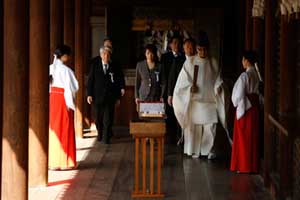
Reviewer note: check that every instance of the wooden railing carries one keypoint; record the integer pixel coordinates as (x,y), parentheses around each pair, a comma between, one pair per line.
(281,183)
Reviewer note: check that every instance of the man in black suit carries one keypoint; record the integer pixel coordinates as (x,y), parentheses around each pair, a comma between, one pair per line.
(107,42)
(104,90)
(171,61)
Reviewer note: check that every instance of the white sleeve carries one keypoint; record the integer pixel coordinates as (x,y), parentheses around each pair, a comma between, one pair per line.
(73,83)
(239,97)
(51,70)
(71,88)
(184,80)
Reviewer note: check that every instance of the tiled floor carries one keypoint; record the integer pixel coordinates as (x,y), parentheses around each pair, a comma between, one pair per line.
(105,172)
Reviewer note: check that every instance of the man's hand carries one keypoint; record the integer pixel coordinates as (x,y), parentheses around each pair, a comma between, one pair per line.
(170,100)
(118,102)
(137,100)
(122,92)
(89,99)
(194,89)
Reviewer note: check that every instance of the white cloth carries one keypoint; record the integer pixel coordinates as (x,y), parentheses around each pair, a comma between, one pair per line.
(202,108)
(199,139)
(247,83)
(209,99)
(63,77)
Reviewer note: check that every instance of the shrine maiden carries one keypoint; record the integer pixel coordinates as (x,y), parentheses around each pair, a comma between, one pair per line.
(244,157)
(63,86)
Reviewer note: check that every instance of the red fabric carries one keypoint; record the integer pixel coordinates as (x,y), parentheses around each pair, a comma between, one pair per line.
(244,156)
(62,149)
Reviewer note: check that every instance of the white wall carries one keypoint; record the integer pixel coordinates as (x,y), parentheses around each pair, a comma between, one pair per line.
(98,32)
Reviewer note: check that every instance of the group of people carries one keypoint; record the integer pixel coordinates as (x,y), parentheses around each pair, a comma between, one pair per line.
(188,81)
(190,84)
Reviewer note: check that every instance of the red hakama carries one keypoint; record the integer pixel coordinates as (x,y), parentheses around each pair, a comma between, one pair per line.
(244,156)
(62,149)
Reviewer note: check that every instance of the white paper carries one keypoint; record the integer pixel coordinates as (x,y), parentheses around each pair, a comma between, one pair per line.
(152,108)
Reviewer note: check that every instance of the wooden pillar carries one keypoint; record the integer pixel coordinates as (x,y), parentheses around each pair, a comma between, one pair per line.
(284,67)
(248,24)
(287,100)
(38,92)
(258,38)
(87,54)
(79,66)
(268,86)
(1,81)
(15,112)
(288,49)
(69,27)
(56,25)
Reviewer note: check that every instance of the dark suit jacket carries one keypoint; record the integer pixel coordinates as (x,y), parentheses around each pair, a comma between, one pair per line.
(143,84)
(174,72)
(168,62)
(101,86)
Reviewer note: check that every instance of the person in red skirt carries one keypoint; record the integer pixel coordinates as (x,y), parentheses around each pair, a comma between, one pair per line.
(245,97)
(63,86)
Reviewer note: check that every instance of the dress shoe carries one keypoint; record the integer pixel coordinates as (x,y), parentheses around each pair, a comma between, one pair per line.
(211,156)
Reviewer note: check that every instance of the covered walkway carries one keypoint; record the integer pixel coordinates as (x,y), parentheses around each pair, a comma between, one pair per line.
(31,29)
(105,172)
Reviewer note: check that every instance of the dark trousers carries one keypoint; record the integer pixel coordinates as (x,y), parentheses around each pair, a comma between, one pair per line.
(173,128)
(104,118)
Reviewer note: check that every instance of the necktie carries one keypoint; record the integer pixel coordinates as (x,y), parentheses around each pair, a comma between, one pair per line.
(105,68)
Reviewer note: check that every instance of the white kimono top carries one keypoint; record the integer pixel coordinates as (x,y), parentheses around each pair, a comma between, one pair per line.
(205,106)
(247,83)
(63,77)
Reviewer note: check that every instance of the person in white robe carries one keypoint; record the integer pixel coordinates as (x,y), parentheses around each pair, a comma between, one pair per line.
(198,112)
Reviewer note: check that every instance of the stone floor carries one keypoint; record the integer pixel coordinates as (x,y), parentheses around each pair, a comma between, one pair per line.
(105,172)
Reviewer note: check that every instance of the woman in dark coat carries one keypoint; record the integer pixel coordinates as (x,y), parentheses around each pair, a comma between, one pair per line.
(149,84)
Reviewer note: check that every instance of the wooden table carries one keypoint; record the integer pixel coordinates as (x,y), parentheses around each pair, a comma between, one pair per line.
(142,131)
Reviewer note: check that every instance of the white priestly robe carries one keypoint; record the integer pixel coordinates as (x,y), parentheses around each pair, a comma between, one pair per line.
(247,83)
(198,113)
(63,77)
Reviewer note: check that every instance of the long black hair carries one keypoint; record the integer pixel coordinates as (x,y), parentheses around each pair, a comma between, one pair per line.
(251,56)
(62,50)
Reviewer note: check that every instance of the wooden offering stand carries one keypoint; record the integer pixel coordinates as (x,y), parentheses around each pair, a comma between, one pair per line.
(144,130)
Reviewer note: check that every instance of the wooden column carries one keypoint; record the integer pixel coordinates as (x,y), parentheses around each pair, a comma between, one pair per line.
(56,25)
(38,92)
(287,100)
(288,49)
(269,84)
(86,46)
(248,24)
(284,67)
(1,80)
(69,27)
(79,66)
(15,112)
(258,39)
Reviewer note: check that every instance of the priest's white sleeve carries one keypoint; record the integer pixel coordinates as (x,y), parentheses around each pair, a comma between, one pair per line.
(181,96)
